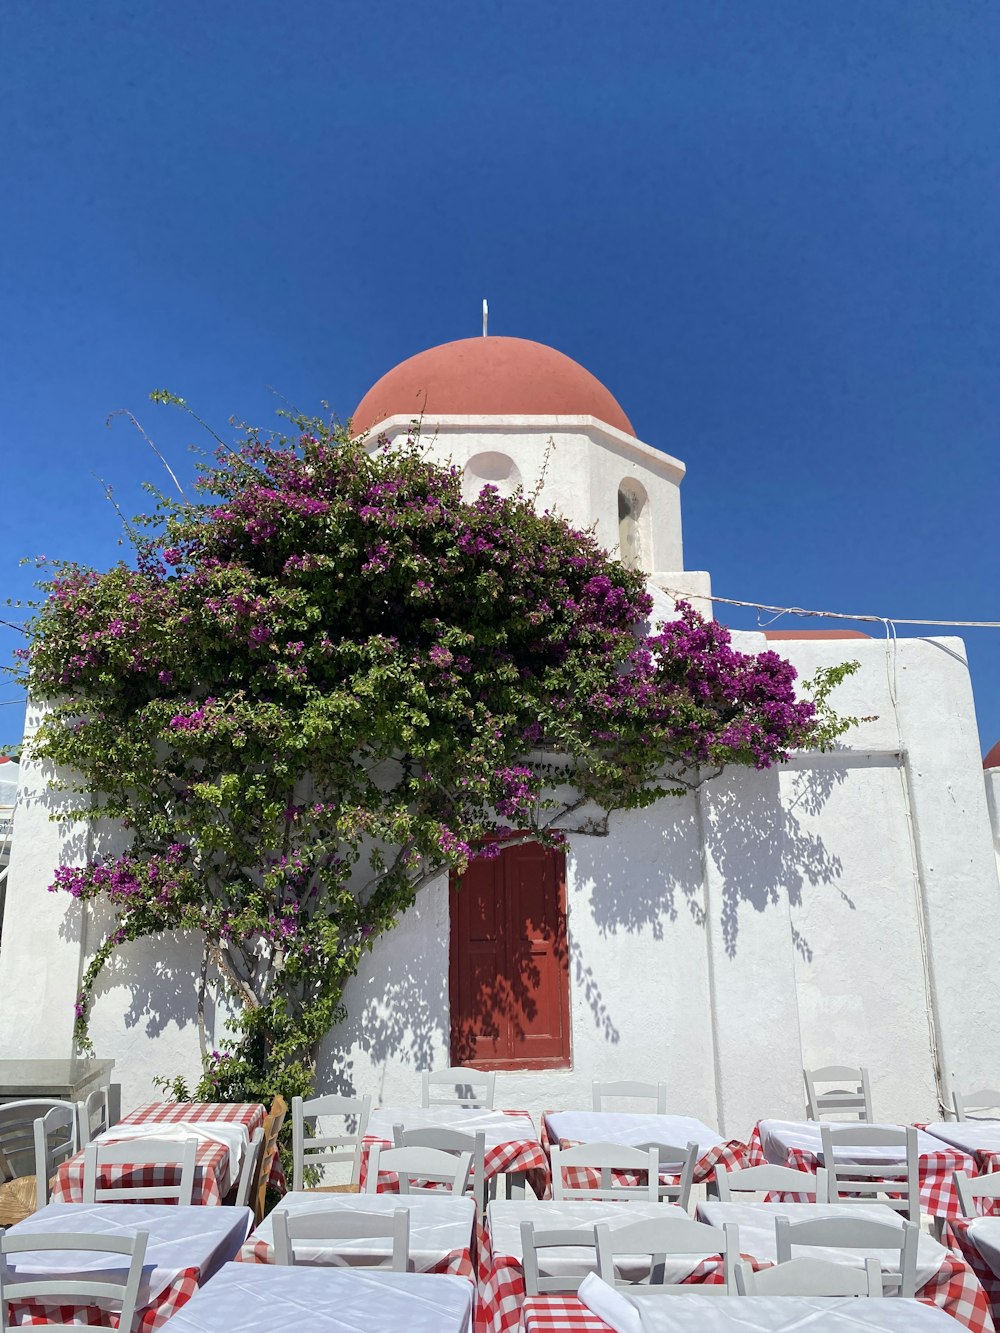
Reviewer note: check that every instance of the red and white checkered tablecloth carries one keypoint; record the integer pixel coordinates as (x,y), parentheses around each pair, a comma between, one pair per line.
(211,1178)
(732,1155)
(28,1314)
(957,1233)
(956,1290)
(937,1190)
(522,1155)
(503,1305)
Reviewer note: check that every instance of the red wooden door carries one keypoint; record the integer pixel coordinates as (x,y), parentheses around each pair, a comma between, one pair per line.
(509,979)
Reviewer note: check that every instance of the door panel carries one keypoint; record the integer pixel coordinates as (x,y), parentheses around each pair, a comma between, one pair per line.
(509,980)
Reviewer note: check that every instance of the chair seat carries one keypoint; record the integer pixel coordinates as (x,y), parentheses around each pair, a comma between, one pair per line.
(18,1200)
(334,1189)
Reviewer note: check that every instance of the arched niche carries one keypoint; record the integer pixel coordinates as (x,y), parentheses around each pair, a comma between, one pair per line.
(491,468)
(635,530)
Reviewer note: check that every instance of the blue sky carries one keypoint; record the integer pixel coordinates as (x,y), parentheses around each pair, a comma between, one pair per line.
(770,228)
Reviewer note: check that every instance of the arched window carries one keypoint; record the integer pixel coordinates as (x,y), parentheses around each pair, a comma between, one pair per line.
(634,529)
(490,469)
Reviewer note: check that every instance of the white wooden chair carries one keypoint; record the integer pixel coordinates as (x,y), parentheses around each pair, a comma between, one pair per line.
(249,1171)
(94,1115)
(323,1230)
(769,1179)
(17,1132)
(855,1234)
(981,1105)
(325,1151)
(971,1188)
(809,1277)
(419,1169)
(654,1092)
(72,1290)
(605,1159)
(533,1241)
(55,1136)
(659,1236)
(140,1153)
(867,1182)
(678,1164)
(462,1082)
(452,1141)
(854,1100)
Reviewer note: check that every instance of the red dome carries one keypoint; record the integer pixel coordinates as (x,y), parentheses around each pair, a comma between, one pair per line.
(992,759)
(487,377)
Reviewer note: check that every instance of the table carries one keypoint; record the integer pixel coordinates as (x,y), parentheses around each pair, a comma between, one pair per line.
(747,1314)
(68,1080)
(441,1229)
(512,1144)
(568,1128)
(943,1279)
(187,1246)
(978,1239)
(797,1143)
(262,1298)
(501,1272)
(213,1177)
(979,1138)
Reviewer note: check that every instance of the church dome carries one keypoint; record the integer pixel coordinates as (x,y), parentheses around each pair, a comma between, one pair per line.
(992,759)
(489,377)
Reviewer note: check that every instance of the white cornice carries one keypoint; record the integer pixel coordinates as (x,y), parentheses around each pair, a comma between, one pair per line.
(654,459)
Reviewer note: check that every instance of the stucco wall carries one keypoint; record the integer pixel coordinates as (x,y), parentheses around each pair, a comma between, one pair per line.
(718,942)
(583,462)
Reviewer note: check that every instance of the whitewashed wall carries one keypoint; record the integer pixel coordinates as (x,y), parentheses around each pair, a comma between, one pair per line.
(580,463)
(718,942)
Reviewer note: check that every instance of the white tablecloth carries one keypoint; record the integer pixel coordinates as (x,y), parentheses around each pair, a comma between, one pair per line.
(504,1218)
(497,1125)
(985,1232)
(631,1130)
(261,1298)
(971,1136)
(439,1224)
(777,1137)
(179,1237)
(756,1224)
(783,1314)
(232,1137)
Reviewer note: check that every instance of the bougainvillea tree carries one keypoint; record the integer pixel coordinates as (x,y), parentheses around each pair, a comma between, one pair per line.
(326,679)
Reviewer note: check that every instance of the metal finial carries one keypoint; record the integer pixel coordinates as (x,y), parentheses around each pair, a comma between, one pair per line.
(486,314)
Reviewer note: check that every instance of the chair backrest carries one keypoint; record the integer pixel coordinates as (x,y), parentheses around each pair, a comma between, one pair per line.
(854,1100)
(95,1115)
(249,1179)
(419,1169)
(971,1188)
(140,1153)
(533,1240)
(71,1290)
(451,1141)
(854,1234)
(323,1231)
(768,1179)
(17,1133)
(55,1135)
(273,1123)
(659,1236)
(981,1105)
(677,1165)
(462,1082)
(655,1092)
(319,1151)
(604,1160)
(866,1181)
(809,1277)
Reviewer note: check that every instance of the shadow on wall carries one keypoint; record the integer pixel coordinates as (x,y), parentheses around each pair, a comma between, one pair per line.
(755,844)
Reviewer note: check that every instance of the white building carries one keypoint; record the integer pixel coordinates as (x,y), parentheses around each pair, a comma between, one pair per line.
(839,909)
